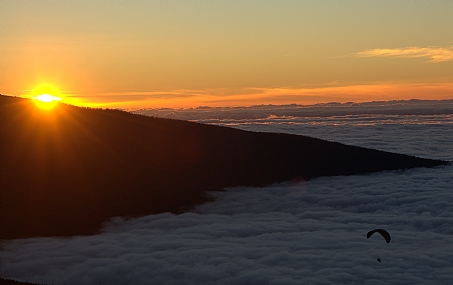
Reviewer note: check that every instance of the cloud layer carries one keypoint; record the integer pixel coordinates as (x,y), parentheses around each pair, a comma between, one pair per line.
(434,54)
(261,113)
(423,136)
(293,233)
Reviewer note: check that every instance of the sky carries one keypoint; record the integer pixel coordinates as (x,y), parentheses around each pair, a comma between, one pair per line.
(304,232)
(180,54)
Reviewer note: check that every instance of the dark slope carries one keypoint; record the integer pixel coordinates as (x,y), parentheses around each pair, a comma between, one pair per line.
(12,282)
(65,171)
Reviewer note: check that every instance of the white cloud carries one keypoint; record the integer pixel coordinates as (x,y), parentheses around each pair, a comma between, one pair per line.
(435,54)
(424,136)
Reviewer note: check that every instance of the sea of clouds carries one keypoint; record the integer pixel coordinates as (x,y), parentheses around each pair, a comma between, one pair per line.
(298,232)
(264,112)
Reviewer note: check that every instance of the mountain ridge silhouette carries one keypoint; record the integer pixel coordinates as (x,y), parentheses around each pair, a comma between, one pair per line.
(66,171)
(13,282)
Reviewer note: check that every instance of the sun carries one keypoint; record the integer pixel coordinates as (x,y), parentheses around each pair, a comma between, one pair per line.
(46,96)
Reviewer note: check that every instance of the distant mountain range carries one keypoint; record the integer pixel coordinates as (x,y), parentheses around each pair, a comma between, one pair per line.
(262,112)
(67,170)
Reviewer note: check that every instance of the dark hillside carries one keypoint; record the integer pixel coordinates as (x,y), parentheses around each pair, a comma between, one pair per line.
(12,282)
(65,171)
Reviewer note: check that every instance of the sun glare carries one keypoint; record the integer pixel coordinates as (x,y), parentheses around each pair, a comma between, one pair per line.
(46,96)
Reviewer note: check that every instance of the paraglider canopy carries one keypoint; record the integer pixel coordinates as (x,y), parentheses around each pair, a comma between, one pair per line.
(383,233)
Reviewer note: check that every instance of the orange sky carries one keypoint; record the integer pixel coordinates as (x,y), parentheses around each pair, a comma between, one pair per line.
(132,54)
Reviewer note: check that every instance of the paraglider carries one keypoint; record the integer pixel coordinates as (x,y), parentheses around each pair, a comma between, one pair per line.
(385,234)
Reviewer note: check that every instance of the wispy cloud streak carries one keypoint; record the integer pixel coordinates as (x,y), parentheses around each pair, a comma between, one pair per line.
(435,54)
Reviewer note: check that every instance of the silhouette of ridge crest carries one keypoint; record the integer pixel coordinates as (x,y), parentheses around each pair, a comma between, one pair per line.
(67,171)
